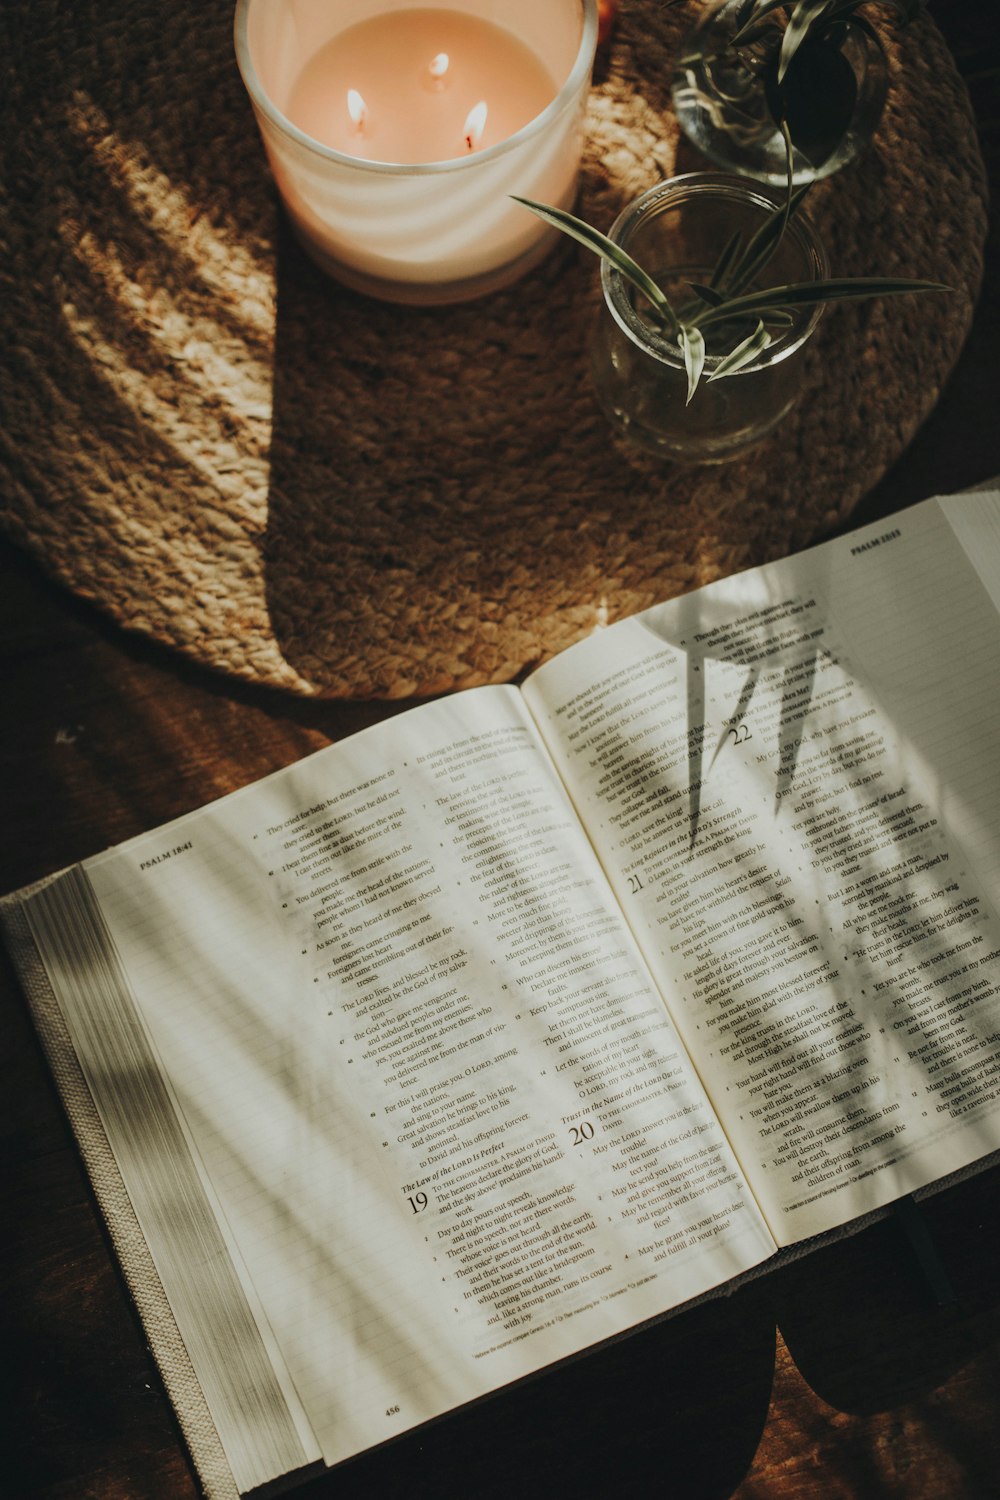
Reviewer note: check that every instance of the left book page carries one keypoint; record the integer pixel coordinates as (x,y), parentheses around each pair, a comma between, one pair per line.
(352,989)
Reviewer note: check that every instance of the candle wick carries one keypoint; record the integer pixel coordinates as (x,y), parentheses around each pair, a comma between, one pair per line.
(436,74)
(475,124)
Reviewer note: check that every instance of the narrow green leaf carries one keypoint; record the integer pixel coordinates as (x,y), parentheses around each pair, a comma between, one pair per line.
(693,346)
(725,260)
(786,136)
(601,245)
(906,10)
(765,241)
(840,10)
(845,10)
(709,294)
(743,354)
(750,23)
(807,293)
(806,15)
(863,24)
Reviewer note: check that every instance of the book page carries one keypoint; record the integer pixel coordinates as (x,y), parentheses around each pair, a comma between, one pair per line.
(791,777)
(976,524)
(450,1130)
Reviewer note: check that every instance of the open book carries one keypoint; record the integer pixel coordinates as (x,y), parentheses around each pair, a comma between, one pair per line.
(531,1015)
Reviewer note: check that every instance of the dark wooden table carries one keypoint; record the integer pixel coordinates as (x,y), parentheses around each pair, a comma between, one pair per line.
(841,1376)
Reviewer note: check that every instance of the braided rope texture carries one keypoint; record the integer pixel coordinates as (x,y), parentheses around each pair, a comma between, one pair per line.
(299,486)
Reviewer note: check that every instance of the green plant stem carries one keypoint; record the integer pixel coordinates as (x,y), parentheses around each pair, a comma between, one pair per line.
(716,304)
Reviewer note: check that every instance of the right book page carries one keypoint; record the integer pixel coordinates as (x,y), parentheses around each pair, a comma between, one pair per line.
(791,777)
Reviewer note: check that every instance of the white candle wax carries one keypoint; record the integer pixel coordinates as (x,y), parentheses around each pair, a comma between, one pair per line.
(396,133)
(405,87)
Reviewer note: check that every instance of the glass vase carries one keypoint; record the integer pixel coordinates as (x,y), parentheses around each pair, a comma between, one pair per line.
(721,96)
(677,232)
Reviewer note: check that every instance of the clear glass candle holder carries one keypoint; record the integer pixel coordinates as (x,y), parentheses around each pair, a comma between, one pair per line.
(677,232)
(719,95)
(421,231)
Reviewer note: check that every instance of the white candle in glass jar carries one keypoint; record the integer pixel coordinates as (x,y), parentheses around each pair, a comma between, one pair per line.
(419,86)
(397,133)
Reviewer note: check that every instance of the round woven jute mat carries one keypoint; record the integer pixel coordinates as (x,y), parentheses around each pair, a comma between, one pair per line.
(302,487)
